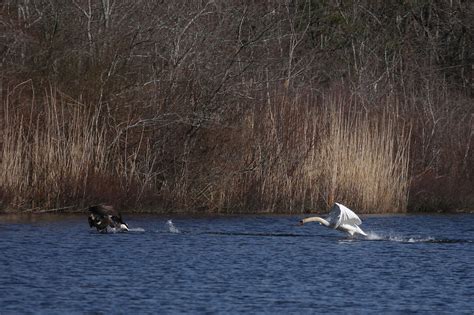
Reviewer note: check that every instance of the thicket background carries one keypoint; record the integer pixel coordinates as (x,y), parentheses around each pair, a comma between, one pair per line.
(237,106)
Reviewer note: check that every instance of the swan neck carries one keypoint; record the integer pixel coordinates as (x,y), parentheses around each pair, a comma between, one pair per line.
(316,219)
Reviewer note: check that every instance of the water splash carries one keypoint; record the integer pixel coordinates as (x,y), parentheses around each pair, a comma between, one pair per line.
(118,230)
(171,227)
(113,230)
(372,236)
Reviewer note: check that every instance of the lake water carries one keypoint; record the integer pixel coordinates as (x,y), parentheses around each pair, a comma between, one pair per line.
(237,264)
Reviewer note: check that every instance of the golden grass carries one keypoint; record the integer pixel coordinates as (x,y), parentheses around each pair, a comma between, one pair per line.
(302,157)
(290,155)
(60,155)
(363,162)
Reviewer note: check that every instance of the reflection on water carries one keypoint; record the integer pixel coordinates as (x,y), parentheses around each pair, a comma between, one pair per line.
(241,264)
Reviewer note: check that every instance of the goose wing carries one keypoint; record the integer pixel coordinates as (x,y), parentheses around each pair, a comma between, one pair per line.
(340,214)
(103,210)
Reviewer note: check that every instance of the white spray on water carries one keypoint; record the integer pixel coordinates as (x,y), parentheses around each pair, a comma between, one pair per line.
(171,227)
(373,236)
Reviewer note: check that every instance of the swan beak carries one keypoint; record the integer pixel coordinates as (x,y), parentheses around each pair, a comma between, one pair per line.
(301,222)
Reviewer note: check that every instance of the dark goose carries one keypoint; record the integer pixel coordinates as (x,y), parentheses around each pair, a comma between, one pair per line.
(102,217)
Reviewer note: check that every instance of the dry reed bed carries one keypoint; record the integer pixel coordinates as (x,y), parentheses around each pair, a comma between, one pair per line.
(58,153)
(289,155)
(303,156)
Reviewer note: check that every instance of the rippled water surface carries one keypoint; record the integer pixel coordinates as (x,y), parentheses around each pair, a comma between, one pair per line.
(238,264)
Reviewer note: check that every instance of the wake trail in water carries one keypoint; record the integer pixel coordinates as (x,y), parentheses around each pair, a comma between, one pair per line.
(138,229)
(256,234)
(373,236)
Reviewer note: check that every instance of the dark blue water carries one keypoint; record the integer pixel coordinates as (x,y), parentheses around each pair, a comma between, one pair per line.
(242,264)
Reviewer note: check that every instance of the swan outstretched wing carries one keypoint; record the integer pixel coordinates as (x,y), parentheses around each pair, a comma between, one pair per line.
(340,214)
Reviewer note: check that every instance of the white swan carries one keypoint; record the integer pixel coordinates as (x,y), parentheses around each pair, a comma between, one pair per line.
(340,218)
